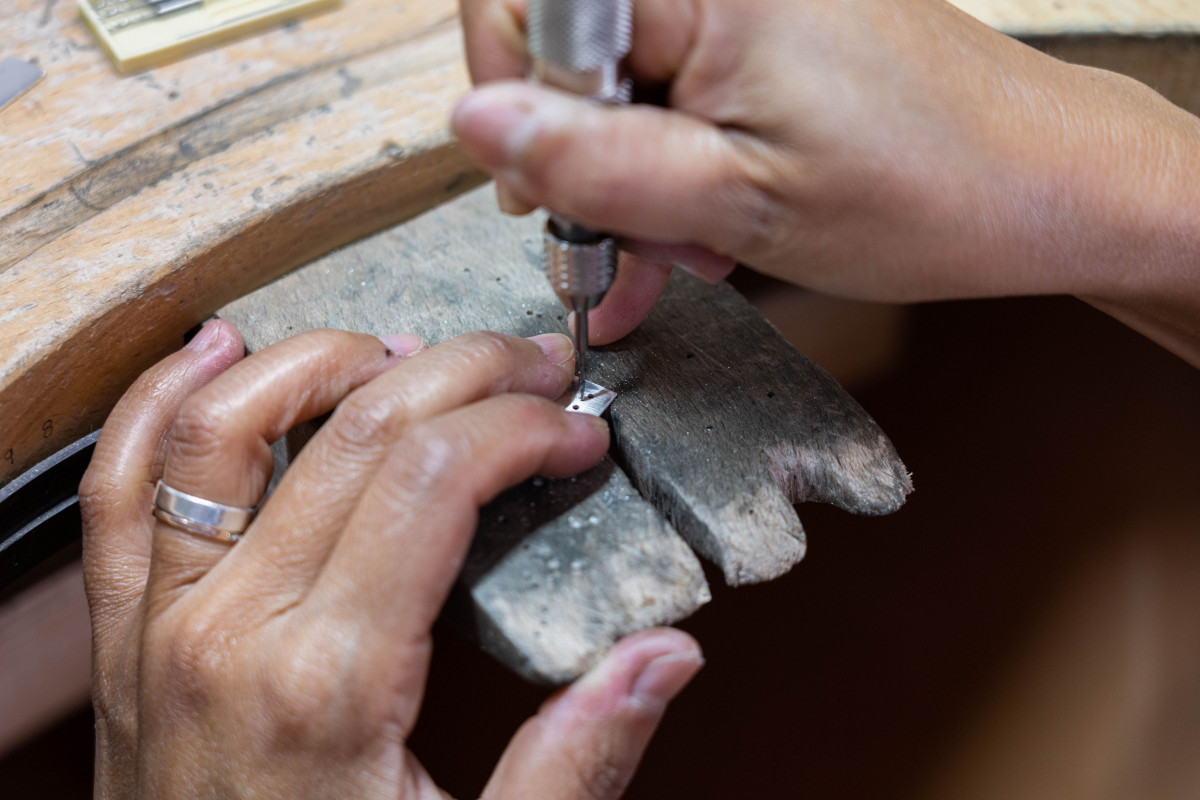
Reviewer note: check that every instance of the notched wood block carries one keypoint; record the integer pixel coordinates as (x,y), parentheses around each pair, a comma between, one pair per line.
(564,568)
(725,427)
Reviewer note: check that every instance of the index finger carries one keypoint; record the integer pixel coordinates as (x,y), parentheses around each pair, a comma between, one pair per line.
(494,35)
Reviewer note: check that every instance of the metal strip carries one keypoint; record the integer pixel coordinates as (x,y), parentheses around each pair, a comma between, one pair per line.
(592,399)
(16,76)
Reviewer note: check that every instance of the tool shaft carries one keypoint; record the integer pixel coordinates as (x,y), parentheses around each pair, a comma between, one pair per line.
(577,46)
(581,309)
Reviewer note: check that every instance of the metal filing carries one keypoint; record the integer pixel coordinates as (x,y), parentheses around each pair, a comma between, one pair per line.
(119,14)
(577,46)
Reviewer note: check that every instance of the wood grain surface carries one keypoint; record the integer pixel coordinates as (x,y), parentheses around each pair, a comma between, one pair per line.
(1086,17)
(130,208)
(720,424)
(562,569)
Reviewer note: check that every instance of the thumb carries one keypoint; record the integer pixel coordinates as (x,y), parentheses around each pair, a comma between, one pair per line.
(638,171)
(635,289)
(586,741)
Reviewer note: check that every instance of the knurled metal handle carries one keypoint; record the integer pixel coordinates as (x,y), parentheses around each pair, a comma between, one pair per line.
(580,35)
(580,270)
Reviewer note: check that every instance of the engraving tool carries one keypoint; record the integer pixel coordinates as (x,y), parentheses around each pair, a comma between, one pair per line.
(577,46)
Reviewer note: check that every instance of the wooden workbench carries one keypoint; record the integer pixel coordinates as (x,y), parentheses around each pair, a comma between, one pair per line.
(131,208)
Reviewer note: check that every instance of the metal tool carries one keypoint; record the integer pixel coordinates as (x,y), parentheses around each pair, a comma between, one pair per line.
(39,516)
(16,76)
(125,13)
(578,46)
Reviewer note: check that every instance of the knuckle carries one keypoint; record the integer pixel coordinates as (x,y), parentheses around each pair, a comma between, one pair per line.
(756,216)
(488,346)
(200,429)
(306,687)
(314,684)
(590,188)
(527,413)
(488,357)
(599,775)
(431,455)
(195,657)
(97,493)
(326,345)
(361,422)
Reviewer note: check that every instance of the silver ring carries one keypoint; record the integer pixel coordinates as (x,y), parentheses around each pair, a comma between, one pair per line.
(202,517)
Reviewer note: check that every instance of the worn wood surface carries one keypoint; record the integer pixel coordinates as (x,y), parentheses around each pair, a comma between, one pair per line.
(563,568)
(1087,17)
(1155,41)
(726,426)
(720,423)
(130,208)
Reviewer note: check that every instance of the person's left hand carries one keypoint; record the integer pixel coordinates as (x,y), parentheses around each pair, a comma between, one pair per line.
(293,663)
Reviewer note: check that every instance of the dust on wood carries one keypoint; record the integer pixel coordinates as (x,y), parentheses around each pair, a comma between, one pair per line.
(726,426)
(561,569)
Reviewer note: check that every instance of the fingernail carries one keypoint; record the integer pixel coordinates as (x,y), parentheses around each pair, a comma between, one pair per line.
(403,344)
(711,270)
(206,338)
(594,424)
(498,122)
(509,203)
(664,678)
(559,349)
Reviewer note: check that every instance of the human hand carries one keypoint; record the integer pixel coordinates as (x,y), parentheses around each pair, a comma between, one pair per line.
(293,663)
(876,150)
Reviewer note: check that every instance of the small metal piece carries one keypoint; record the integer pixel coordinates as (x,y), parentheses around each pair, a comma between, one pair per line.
(124,7)
(16,76)
(591,398)
(156,10)
(196,515)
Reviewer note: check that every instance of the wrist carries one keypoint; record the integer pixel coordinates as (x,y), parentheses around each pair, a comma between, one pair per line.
(1144,202)
(1102,194)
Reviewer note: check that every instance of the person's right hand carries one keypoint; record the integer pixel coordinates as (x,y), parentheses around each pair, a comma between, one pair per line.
(877,150)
